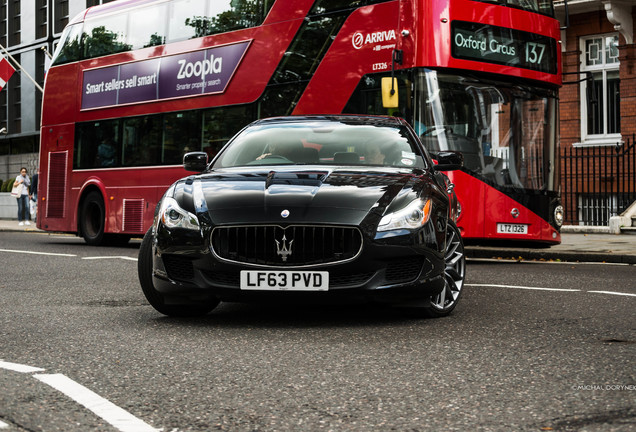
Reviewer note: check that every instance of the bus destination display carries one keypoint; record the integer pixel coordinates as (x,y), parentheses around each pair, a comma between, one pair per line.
(500,45)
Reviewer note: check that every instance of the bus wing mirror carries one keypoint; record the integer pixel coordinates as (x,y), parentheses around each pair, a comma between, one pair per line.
(195,161)
(390,92)
(448,161)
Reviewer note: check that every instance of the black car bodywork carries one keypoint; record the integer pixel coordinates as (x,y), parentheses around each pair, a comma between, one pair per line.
(326,221)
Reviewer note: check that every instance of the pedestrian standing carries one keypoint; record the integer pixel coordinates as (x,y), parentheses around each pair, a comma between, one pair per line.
(23,198)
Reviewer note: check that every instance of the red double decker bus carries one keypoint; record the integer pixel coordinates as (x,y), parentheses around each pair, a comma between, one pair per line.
(135,84)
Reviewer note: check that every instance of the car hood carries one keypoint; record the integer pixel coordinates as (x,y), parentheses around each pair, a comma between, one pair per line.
(292,195)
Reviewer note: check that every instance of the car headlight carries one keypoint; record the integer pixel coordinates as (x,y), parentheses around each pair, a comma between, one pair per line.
(173,216)
(413,216)
(559,215)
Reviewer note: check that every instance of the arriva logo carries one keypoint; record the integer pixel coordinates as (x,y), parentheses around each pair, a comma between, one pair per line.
(359,40)
(200,68)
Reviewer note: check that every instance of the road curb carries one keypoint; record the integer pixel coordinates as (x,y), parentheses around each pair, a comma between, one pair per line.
(548,255)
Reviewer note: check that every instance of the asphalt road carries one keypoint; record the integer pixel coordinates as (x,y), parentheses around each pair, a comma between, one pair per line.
(530,347)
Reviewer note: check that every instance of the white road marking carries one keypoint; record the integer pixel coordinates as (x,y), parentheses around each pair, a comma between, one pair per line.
(525,287)
(536,261)
(68,255)
(613,293)
(116,416)
(110,257)
(36,253)
(15,367)
(551,289)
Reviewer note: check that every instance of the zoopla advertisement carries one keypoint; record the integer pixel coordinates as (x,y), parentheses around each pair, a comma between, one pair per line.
(194,73)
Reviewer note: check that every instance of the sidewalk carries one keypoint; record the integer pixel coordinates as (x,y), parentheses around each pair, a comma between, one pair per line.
(575,246)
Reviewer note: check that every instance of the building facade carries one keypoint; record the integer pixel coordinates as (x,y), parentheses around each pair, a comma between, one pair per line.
(29,31)
(597,109)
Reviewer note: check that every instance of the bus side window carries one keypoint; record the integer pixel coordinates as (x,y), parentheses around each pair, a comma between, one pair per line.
(97,145)
(148,26)
(185,19)
(69,48)
(142,141)
(105,36)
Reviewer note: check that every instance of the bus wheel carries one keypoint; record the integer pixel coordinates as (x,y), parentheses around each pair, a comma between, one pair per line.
(92,219)
(154,297)
(454,275)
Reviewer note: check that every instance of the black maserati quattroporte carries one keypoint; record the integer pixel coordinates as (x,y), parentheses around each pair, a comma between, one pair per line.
(318,208)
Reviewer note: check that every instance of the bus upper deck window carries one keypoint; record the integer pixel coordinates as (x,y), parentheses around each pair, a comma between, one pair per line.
(69,48)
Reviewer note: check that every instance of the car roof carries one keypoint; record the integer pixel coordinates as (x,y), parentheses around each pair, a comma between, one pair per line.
(340,118)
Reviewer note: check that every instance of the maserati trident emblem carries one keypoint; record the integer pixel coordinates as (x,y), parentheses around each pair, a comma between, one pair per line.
(285,213)
(284,250)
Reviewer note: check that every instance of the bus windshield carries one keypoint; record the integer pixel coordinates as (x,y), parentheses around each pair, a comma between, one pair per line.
(540,6)
(506,132)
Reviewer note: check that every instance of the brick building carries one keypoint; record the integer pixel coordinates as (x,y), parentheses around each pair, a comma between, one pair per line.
(598,115)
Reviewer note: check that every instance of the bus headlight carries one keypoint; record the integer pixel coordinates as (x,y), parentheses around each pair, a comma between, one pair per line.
(559,215)
(413,216)
(173,216)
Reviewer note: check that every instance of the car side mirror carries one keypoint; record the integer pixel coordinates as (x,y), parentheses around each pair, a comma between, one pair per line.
(448,161)
(195,161)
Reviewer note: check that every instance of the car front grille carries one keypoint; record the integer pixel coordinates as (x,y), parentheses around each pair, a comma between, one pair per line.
(295,245)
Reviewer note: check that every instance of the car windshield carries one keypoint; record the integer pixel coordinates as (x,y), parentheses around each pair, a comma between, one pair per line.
(322,143)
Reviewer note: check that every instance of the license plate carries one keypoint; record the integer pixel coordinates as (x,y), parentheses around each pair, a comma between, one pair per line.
(284,280)
(506,228)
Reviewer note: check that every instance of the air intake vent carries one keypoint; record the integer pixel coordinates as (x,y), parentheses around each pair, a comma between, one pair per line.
(296,245)
(56,193)
(133,216)
(404,270)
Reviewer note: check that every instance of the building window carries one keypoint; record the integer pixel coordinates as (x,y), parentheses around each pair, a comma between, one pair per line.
(91,3)
(14,23)
(600,96)
(42,21)
(14,104)
(60,15)
(40,65)
(3,23)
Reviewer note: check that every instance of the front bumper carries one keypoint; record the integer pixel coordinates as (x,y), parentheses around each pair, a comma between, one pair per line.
(394,269)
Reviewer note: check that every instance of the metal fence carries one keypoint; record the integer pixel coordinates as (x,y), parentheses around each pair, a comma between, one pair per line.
(598,182)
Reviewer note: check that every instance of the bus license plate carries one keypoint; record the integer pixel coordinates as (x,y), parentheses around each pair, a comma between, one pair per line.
(506,228)
(284,280)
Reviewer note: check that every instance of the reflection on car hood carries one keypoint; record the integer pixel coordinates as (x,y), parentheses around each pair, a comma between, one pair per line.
(334,196)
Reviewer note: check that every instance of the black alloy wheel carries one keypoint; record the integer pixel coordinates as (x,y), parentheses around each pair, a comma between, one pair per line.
(454,275)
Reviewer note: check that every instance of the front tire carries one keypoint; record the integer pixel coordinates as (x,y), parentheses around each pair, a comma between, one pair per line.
(454,274)
(154,297)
